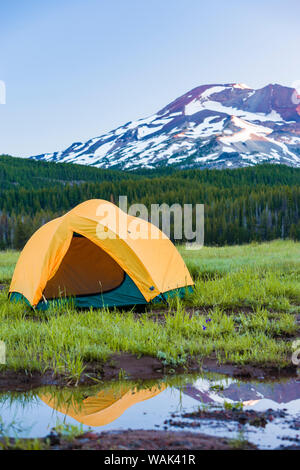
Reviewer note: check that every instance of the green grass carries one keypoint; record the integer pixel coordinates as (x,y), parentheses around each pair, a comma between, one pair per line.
(251,294)
(283,256)
(8,260)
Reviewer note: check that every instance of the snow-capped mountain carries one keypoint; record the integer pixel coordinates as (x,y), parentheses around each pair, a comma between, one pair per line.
(212,126)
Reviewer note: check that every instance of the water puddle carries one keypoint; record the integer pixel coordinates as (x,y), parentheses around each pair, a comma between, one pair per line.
(265,413)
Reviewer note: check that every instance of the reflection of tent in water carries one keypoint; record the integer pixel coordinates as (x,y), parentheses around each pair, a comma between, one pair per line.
(103,408)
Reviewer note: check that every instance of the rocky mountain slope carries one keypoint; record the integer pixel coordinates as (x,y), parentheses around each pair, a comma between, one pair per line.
(211,126)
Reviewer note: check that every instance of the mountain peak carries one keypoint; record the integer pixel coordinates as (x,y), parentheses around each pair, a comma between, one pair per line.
(241,86)
(211,126)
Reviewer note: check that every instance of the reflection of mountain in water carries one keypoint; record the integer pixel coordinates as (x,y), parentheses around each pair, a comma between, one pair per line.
(278,395)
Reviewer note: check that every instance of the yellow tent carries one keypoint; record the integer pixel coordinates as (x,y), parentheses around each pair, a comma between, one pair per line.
(105,407)
(98,255)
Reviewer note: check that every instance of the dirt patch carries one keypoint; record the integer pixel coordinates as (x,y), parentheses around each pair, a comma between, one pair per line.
(251,417)
(117,366)
(149,367)
(21,381)
(3,287)
(248,371)
(144,368)
(136,440)
(129,366)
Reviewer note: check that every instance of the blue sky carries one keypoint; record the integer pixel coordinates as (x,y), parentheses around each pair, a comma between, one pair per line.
(77,68)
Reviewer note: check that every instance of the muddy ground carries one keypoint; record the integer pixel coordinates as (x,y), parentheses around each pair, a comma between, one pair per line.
(135,368)
(134,440)
(251,417)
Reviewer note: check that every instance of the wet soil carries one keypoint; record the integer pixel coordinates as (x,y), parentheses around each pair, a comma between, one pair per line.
(137,440)
(251,417)
(132,367)
(249,371)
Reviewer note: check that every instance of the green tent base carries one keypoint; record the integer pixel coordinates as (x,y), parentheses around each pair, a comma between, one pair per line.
(124,295)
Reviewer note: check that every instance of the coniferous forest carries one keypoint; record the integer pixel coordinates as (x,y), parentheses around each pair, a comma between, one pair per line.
(249,204)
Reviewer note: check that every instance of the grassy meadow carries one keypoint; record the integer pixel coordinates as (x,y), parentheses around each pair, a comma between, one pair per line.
(8,261)
(243,311)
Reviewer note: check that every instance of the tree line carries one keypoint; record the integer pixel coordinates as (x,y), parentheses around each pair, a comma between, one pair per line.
(249,204)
